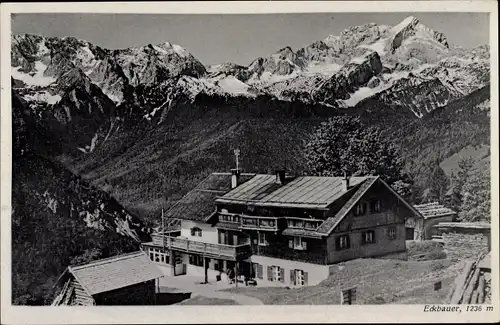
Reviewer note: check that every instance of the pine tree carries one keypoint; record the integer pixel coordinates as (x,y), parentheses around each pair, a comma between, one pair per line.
(457,182)
(476,197)
(437,185)
(343,143)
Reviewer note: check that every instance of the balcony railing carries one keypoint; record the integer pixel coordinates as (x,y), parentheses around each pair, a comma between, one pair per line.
(229,217)
(303,223)
(232,252)
(259,223)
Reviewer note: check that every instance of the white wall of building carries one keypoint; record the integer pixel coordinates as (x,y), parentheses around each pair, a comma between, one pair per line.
(209,233)
(315,273)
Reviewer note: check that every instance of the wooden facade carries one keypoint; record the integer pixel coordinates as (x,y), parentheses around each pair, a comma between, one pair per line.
(382,212)
(287,230)
(143,293)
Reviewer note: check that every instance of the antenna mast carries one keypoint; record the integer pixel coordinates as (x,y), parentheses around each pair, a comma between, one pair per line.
(237,155)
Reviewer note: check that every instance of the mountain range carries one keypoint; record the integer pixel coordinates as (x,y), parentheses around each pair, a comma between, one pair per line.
(139,127)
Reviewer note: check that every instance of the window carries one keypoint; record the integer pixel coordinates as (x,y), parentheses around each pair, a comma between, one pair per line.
(218,265)
(263,239)
(368,237)
(297,243)
(298,277)
(195,231)
(158,255)
(392,232)
(258,270)
(196,260)
(275,273)
(360,209)
(375,205)
(342,242)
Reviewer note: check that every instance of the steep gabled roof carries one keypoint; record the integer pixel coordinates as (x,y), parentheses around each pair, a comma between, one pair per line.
(199,203)
(331,223)
(115,272)
(313,192)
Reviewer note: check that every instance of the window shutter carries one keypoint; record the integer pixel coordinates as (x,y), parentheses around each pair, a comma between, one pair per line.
(290,243)
(282,275)
(270,273)
(260,271)
(292,277)
(348,240)
(305,278)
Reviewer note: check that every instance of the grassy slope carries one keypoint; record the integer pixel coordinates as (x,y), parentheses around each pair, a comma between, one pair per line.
(480,154)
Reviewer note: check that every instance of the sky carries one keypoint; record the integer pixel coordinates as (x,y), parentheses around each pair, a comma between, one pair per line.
(238,38)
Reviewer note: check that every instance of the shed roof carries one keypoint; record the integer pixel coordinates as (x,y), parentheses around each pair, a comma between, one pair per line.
(313,192)
(199,203)
(115,272)
(464,225)
(302,233)
(434,210)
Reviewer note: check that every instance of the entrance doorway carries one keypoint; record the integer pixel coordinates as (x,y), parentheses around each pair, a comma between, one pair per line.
(410,233)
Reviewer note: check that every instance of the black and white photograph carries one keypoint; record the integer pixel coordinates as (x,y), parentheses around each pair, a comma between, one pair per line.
(251,159)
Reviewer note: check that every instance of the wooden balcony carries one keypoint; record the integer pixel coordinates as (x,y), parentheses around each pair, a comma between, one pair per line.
(221,251)
(259,223)
(303,223)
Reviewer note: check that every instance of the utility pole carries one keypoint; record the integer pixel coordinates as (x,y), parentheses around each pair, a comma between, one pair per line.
(163,229)
(236,273)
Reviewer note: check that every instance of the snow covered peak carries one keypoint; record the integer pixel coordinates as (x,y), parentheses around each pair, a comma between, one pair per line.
(168,47)
(410,29)
(408,22)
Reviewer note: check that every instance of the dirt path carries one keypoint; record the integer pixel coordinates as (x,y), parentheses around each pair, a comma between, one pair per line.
(188,284)
(239,298)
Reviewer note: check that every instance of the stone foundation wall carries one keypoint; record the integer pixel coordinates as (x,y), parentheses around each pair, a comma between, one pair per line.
(461,246)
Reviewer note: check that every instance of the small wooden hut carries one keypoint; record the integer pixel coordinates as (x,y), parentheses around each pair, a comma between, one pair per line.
(128,279)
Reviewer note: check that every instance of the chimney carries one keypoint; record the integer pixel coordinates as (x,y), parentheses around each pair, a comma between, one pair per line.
(280,176)
(235,177)
(345,181)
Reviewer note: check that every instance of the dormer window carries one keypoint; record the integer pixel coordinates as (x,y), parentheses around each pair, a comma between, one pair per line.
(196,232)
(360,209)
